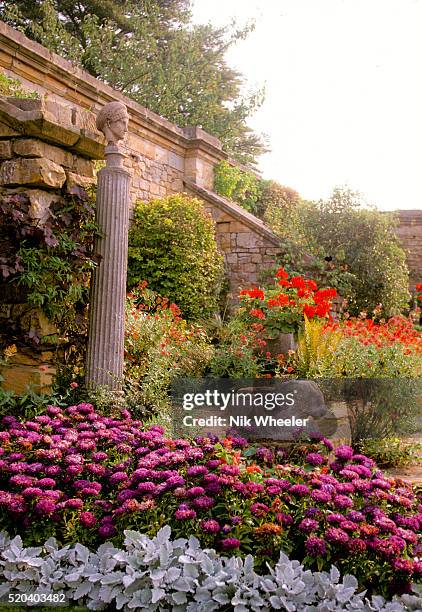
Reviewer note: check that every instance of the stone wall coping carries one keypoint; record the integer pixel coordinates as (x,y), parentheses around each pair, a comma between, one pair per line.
(24,52)
(415,213)
(34,120)
(235,210)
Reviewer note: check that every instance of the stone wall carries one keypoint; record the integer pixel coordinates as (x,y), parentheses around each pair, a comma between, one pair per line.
(43,159)
(161,157)
(410,233)
(250,248)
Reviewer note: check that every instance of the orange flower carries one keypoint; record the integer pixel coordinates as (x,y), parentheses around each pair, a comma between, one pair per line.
(251,469)
(268,529)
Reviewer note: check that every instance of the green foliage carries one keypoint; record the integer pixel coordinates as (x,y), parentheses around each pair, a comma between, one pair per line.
(238,185)
(49,263)
(389,452)
(152,52)
(13,88)
(238,353)
(382,407)
(353,248)
(172,246)
(254,194)
(160,345)
(353,359)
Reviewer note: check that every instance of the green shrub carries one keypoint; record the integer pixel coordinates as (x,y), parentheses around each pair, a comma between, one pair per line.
(238,185)
(172,246)
(353,248)
(389,452)
(160,345)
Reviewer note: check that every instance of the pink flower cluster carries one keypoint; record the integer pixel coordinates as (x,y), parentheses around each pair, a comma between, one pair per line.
(103,475)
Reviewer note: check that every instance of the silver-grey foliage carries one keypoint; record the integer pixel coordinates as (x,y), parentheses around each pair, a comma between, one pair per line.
(164,574)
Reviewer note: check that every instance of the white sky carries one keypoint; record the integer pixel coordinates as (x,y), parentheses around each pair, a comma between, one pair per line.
(343,83)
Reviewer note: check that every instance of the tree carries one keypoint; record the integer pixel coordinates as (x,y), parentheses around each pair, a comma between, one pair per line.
(354,245)
(150,50)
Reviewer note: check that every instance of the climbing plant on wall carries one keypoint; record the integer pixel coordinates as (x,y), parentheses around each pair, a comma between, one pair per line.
(49,261)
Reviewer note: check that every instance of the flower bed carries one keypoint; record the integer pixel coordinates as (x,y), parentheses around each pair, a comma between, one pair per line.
(83,477)
(281,308)
(165,574)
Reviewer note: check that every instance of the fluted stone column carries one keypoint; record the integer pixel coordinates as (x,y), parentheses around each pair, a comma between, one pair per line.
(108,292)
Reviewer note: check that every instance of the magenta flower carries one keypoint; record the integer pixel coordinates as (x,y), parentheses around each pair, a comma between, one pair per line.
(183,514)
(299,490)
(203,503)
(342,501)
(356,546)
(344,452)
(195,491)
(230,543)
(74,503)
(21,480)
(210,526)
(315,546)
(335,535)
(47,483)
(315,459)
(320,496)
(32,492)
(107,530)
(118,477)
(307,525)
(259,509)
(45,507)
(87,519)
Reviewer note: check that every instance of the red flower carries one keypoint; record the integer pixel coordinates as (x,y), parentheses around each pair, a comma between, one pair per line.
(253,293)
(324,294)
(323,309)
(284,283)
(257,312)
(280,300)
(298,282)
(309,311)
(281,273)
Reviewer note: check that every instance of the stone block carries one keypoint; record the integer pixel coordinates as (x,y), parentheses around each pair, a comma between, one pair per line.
(82,166)
(30,147)
(247,240)
(177,185)
(249,267)
(32,171)
(36,322)
(62,114)
(224,241)
(176,161)
(76,180)
(154,188)
(84,119)
(5,149)
(222,228)
(19,378)
(231,258)
(5,310)
(238,226)
(41,202)
(7,132)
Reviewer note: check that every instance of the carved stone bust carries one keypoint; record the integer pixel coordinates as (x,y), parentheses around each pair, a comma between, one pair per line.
(112,121)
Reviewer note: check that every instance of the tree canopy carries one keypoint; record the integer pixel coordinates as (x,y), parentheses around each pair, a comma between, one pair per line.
(151,51)
(353,245)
